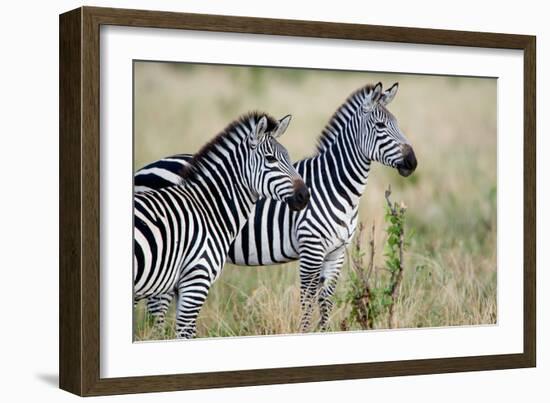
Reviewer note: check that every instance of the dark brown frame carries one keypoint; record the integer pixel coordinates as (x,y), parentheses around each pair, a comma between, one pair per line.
(79,200)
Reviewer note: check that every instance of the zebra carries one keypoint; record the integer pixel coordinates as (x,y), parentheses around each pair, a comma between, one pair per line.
(182,232)
(361,130)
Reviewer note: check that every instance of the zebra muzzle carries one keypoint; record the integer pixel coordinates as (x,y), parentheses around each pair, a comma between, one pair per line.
(300,198)
(408,165)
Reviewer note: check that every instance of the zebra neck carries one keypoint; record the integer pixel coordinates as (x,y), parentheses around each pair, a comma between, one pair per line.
(225,199)
(346,169)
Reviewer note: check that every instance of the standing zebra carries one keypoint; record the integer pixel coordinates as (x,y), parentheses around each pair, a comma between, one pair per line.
(182,232)
(361,130)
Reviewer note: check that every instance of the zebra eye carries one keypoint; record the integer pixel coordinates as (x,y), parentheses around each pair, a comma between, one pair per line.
(271,159)
(380,125)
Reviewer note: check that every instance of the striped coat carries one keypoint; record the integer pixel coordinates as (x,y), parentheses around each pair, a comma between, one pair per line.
(182,232)
(360,132)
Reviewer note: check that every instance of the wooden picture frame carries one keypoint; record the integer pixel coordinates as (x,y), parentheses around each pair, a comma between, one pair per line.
(79,346)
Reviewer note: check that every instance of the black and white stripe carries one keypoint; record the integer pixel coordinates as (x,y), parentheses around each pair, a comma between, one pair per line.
(362,130)
(182,232)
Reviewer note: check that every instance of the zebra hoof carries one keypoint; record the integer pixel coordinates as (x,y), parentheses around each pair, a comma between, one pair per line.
(158,332)
(186,334)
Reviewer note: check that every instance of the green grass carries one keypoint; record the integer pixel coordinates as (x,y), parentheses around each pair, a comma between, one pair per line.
(450,275)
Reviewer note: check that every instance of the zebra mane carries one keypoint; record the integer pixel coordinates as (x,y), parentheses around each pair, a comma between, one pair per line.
(244,123)
(339,119)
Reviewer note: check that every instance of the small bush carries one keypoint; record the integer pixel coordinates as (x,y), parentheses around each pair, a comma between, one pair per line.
(372,292)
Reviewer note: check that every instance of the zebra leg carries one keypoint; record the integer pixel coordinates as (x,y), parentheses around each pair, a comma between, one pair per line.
(158,307)
(311,262)
(192,292)
(329,279)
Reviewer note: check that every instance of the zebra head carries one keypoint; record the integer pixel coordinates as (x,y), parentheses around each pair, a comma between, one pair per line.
(271,172)
(381,138)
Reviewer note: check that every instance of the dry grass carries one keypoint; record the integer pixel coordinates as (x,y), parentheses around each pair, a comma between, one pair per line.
(450,274)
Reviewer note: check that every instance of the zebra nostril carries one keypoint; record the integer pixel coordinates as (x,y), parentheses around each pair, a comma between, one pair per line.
(302,195)
(409,159)
(300,198)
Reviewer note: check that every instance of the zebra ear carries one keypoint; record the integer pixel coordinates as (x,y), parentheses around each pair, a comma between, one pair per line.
(282,126)
(389,94)
(258,132)
(372,98)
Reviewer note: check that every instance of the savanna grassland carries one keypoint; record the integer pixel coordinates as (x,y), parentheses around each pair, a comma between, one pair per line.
(450,275)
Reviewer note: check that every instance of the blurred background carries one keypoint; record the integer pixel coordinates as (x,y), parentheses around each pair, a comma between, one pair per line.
(450,275)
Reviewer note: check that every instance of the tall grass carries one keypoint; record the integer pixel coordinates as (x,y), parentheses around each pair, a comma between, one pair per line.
(450,275)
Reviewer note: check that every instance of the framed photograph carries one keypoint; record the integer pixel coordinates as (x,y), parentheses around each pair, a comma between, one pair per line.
(249,201)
